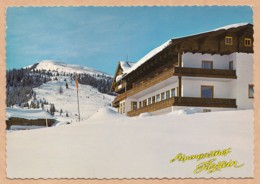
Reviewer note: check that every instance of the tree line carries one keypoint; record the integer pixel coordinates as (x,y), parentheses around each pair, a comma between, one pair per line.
(20,83)
(101,82)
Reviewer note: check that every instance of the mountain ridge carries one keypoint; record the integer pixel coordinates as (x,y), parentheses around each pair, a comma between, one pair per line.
(66,68)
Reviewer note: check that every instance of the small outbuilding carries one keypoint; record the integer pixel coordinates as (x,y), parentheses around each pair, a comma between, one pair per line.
(22,119)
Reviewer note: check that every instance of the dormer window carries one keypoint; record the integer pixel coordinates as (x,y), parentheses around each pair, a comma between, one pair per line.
(228,40)
(247,42)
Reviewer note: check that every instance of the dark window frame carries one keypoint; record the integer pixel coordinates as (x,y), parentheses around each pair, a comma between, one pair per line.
(212,87)
(205,61)
(249,86)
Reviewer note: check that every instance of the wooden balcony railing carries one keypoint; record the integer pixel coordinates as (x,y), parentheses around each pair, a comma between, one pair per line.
(151,82)
(176,71)
(201,72)
(185,101)
(119,98)
(120,87)
(152,107)
(205,102)
(141,86)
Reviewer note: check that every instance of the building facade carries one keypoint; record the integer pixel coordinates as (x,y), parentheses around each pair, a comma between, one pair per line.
(207,71)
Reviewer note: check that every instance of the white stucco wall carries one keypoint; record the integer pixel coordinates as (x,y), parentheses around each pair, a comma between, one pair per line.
(237,89)
(223,88)
(244,65)
(192,88)
(163,89)
(190,60)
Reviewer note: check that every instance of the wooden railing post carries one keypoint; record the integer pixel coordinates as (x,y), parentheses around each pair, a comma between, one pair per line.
(180,81)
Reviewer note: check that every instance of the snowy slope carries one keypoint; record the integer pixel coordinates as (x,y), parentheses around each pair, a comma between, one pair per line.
(89,98)
(66,68)
(109,145)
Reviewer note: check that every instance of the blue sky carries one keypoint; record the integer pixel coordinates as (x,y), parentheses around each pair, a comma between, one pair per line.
(99,37)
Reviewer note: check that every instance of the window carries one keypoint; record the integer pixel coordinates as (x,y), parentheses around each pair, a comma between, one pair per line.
(173,92)
(207,64)
(207,91)
(144,102)
(149,101)
(162,96)
(231,67)
(167,94)
(228,40)
(250,91)
(247,42)
(133,105)
(140,104)
(119,109)
(153,99)
(158,98)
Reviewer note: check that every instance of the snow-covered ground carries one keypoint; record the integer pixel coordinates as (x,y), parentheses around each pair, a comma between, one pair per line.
(90,99)
(109,145)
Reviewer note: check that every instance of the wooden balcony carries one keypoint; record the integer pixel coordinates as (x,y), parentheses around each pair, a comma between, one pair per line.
(186,101)
(152,107)
(119,98)
(120,87)
(176,71)
(151,82)
(201,72)
(145,84)
(205,102)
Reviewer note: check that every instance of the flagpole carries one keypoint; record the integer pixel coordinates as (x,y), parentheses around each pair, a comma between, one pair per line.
(78,104)
(77,85)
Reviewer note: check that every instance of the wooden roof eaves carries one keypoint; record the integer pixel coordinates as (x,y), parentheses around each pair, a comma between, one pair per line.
(176,41)
(114,79)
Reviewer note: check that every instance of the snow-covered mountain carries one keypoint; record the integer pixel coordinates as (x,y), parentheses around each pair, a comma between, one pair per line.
(51,85)
(89,97)
(65,68)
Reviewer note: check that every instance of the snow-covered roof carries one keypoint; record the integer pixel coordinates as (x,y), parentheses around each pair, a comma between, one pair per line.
(232,26)
(217,29)
(147,57)
(167,43)
(125,65)
(31,114)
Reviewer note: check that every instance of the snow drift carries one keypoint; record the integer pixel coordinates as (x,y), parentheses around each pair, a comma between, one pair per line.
(108,145)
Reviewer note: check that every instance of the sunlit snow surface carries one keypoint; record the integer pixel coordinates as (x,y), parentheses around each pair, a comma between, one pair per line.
(67,68)
(109,145)
(90,100)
